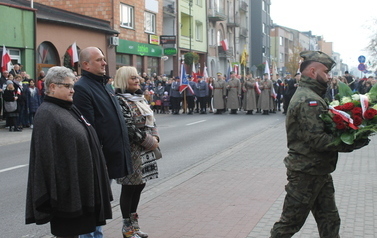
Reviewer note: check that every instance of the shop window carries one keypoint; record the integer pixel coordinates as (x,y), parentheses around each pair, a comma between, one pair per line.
(123,60)
(153,65)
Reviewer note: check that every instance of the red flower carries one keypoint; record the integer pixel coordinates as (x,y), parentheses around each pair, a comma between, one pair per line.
(337,119)
(357,120)
(340,107)
(356,111)
(340,126)
(370,113)
(348,106)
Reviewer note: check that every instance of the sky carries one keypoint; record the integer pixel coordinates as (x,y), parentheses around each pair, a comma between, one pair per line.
(348,24)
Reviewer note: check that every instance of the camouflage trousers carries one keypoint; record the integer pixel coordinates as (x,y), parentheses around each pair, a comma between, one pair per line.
(308,193)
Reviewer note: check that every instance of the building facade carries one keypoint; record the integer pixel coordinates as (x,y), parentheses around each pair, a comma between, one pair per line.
(139,24)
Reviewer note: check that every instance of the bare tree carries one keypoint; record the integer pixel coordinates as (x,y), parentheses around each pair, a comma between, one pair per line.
(372,46)
(293,63)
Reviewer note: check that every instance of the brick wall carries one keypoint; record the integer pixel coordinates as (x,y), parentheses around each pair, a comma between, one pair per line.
(104,10)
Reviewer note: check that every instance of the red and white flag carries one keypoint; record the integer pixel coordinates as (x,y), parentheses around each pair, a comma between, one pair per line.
(267,70)
(194,74)
(235,69)
(5,60)
(224,44)
(72,51)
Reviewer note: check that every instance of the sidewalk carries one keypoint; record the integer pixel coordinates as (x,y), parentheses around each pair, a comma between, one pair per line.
(239,193)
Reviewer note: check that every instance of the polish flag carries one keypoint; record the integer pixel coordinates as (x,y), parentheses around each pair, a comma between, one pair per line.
(267,70)
(235,69)
(194,74)
(205,73)
(224,44)
(5,60)
(72,51)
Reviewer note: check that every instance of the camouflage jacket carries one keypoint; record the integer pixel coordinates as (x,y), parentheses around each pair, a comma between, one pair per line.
(308,142)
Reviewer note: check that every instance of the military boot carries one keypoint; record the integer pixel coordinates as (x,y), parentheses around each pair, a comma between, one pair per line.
(135,224)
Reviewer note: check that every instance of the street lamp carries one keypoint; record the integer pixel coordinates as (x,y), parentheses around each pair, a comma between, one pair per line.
(190,6)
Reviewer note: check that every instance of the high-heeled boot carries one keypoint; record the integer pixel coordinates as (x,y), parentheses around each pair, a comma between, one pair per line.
(135,224)
(128,230)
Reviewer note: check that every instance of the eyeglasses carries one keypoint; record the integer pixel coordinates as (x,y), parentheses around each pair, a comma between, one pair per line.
(67,85)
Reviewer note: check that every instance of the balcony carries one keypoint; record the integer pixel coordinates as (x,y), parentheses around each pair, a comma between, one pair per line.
(215,15)
(223,53)
(244,32)
(233,21)
(169,10)
(243,5)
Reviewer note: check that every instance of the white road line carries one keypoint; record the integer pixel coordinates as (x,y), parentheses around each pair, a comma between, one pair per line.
(15,167)
(195,122)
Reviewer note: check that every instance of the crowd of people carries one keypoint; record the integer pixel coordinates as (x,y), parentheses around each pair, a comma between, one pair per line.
(233,93)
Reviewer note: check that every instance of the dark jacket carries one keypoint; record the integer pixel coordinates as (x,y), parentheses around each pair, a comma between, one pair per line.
(67,172)
(101,108)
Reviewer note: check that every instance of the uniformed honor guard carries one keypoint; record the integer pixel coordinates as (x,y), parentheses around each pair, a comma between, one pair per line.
(201,94)
(312,155)
(234,93)
(249,100)
(175,96)
(219,93)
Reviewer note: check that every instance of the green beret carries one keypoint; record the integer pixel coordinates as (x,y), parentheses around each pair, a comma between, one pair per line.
(318,56)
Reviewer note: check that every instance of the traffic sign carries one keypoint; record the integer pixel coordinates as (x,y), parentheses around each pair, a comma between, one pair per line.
(362,67)
(361,59)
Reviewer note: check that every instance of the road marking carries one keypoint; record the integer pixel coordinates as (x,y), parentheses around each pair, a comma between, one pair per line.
(195,122)
(15,167)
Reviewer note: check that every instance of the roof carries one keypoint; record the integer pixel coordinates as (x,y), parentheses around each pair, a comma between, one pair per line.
(62,17)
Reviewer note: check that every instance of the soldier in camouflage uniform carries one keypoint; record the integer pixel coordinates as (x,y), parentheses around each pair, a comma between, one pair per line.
(311,156)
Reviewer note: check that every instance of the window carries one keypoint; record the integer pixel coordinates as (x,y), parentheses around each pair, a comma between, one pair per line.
(281,57)
(264,28)
(153,65)
(149,22)
(199,31)
(126,16)
(199,3)
(281,41)
(122,60)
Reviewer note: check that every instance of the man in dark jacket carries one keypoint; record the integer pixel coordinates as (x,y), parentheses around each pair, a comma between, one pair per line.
(311,155)
(99,106)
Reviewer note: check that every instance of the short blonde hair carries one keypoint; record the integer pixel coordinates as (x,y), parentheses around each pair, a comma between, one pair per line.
(122,75)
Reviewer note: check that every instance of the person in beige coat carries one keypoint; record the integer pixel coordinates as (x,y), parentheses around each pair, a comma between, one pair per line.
(234,92)
(219,93)
(249,101)
(265,99)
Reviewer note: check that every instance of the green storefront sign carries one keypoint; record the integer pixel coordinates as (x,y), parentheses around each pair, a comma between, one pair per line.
(170,51)
(136,48)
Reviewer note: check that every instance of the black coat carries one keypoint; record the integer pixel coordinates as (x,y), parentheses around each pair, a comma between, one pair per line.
(67,171)
(100,107)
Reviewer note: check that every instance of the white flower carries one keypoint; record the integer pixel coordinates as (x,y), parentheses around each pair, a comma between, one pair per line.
(355,97)
(334,103)
(344,100)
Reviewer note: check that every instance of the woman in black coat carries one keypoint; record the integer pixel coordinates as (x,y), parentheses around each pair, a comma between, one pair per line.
(68,184)
(10,95)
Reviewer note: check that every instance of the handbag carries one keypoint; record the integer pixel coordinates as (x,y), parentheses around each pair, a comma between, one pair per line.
(157,153)
(10,106)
